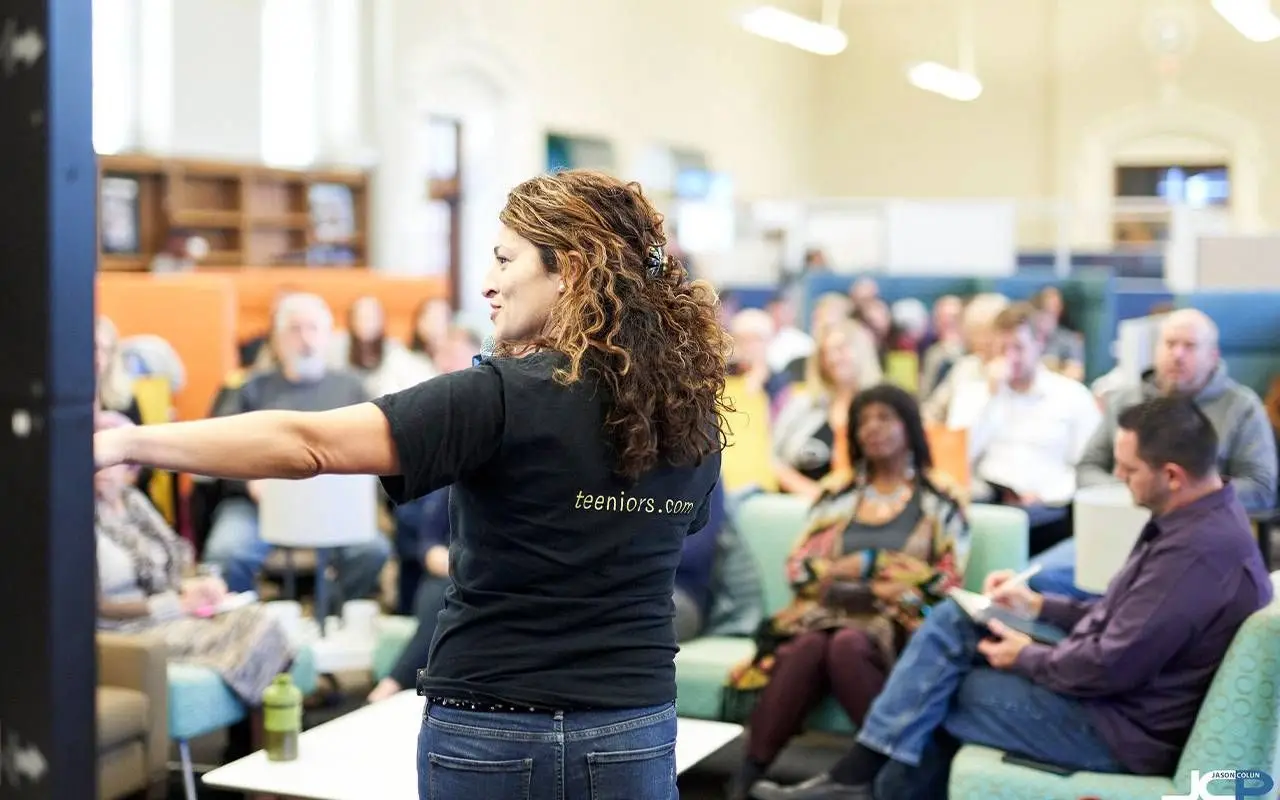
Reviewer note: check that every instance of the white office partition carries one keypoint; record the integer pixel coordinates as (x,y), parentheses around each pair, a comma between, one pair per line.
(951,237)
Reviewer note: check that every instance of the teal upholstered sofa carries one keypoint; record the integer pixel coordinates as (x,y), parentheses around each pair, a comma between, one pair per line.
(1237,729)
(769,525)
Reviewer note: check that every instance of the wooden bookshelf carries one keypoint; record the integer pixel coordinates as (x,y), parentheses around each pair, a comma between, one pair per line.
(249,215)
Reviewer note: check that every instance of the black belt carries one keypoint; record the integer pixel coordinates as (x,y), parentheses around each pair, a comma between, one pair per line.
(485,706)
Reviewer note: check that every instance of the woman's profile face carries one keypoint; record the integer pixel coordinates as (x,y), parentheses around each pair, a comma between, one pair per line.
(520,291)
(881,434)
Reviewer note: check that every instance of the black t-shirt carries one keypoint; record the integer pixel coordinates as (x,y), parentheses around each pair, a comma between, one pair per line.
(562,573)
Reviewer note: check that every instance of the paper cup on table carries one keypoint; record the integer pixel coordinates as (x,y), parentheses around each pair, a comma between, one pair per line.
(360,616)
(1107,524)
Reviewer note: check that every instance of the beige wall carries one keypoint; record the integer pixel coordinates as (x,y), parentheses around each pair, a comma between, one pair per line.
(1065,81)
(638,72)
(635,72)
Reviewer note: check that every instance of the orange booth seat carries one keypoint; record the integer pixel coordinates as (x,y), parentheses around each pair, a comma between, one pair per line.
(950,450)
(204,315)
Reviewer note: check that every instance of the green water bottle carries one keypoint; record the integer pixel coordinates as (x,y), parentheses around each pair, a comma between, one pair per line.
(282,718)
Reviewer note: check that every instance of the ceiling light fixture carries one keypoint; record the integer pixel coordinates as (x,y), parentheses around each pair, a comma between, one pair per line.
(960,83)
(823,38)
(940,79)
(1254,19)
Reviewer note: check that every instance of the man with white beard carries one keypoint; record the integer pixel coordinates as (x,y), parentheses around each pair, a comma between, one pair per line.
(300,381)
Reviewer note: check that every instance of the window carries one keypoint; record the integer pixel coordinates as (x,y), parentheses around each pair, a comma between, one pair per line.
(114,75)
(1144,195)
(579,152)
(1196,186)
(290,102)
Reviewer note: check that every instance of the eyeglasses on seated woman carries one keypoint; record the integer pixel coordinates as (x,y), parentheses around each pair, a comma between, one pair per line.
(877,550)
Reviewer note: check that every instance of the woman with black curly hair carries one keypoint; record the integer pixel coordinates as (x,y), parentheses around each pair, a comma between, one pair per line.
(878,549)
(581,455)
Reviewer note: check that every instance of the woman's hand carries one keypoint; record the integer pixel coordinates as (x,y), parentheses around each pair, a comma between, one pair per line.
(203,593)
(111,447)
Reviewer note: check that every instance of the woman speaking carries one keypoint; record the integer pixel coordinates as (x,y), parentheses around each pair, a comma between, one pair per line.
(581,454)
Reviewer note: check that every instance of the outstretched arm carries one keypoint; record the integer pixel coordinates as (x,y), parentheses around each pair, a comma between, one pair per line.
(262,444)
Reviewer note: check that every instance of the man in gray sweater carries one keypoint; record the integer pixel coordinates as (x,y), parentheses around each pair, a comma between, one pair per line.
(1187,362)
(300,380)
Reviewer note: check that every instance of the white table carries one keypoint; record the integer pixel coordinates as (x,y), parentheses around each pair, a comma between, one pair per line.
(373,752)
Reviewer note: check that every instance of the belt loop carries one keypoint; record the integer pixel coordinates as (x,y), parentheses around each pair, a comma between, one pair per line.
(558,716)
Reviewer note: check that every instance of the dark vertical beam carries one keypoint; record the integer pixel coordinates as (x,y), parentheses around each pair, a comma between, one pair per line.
(48,233)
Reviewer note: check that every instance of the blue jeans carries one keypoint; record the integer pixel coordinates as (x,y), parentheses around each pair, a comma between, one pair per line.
(941,683)
(235,547)
(1058,572)
(604,755)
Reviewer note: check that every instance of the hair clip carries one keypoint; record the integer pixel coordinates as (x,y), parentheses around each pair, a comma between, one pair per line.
(655,261)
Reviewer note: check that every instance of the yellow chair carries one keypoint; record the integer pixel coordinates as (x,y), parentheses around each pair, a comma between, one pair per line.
(902,369)
(155,406)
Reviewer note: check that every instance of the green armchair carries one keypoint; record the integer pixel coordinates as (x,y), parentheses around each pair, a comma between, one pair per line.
(769,525)
(1238,728)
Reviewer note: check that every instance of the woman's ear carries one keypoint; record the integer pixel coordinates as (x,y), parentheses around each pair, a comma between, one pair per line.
(574,266)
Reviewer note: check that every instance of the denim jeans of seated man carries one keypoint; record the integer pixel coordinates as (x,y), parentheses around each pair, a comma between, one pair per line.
(236,548)
(1058,572)
(608,755)
(941,682)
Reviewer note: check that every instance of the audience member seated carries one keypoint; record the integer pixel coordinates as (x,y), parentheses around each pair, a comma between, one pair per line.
(873,313)
(432,323)
(694,574)
(1027,428)
(815,262)
(1120,693)
(115,386)
(750,388)
(809,433)
(427,557)
(421,524)
(828,310)
(1187,364)
(789,342)
(864,290)
(944,327)
(979,334)
(752,331)
(303,327)
(876,553)
(943,345)
(147,581)
(255,352)
(910,324)
(384,364)
(1063,347)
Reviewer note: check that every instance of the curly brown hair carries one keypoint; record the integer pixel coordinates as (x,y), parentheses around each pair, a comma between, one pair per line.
(652,340)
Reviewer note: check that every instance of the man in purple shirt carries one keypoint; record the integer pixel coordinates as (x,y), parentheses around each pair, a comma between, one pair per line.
(1121,692)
